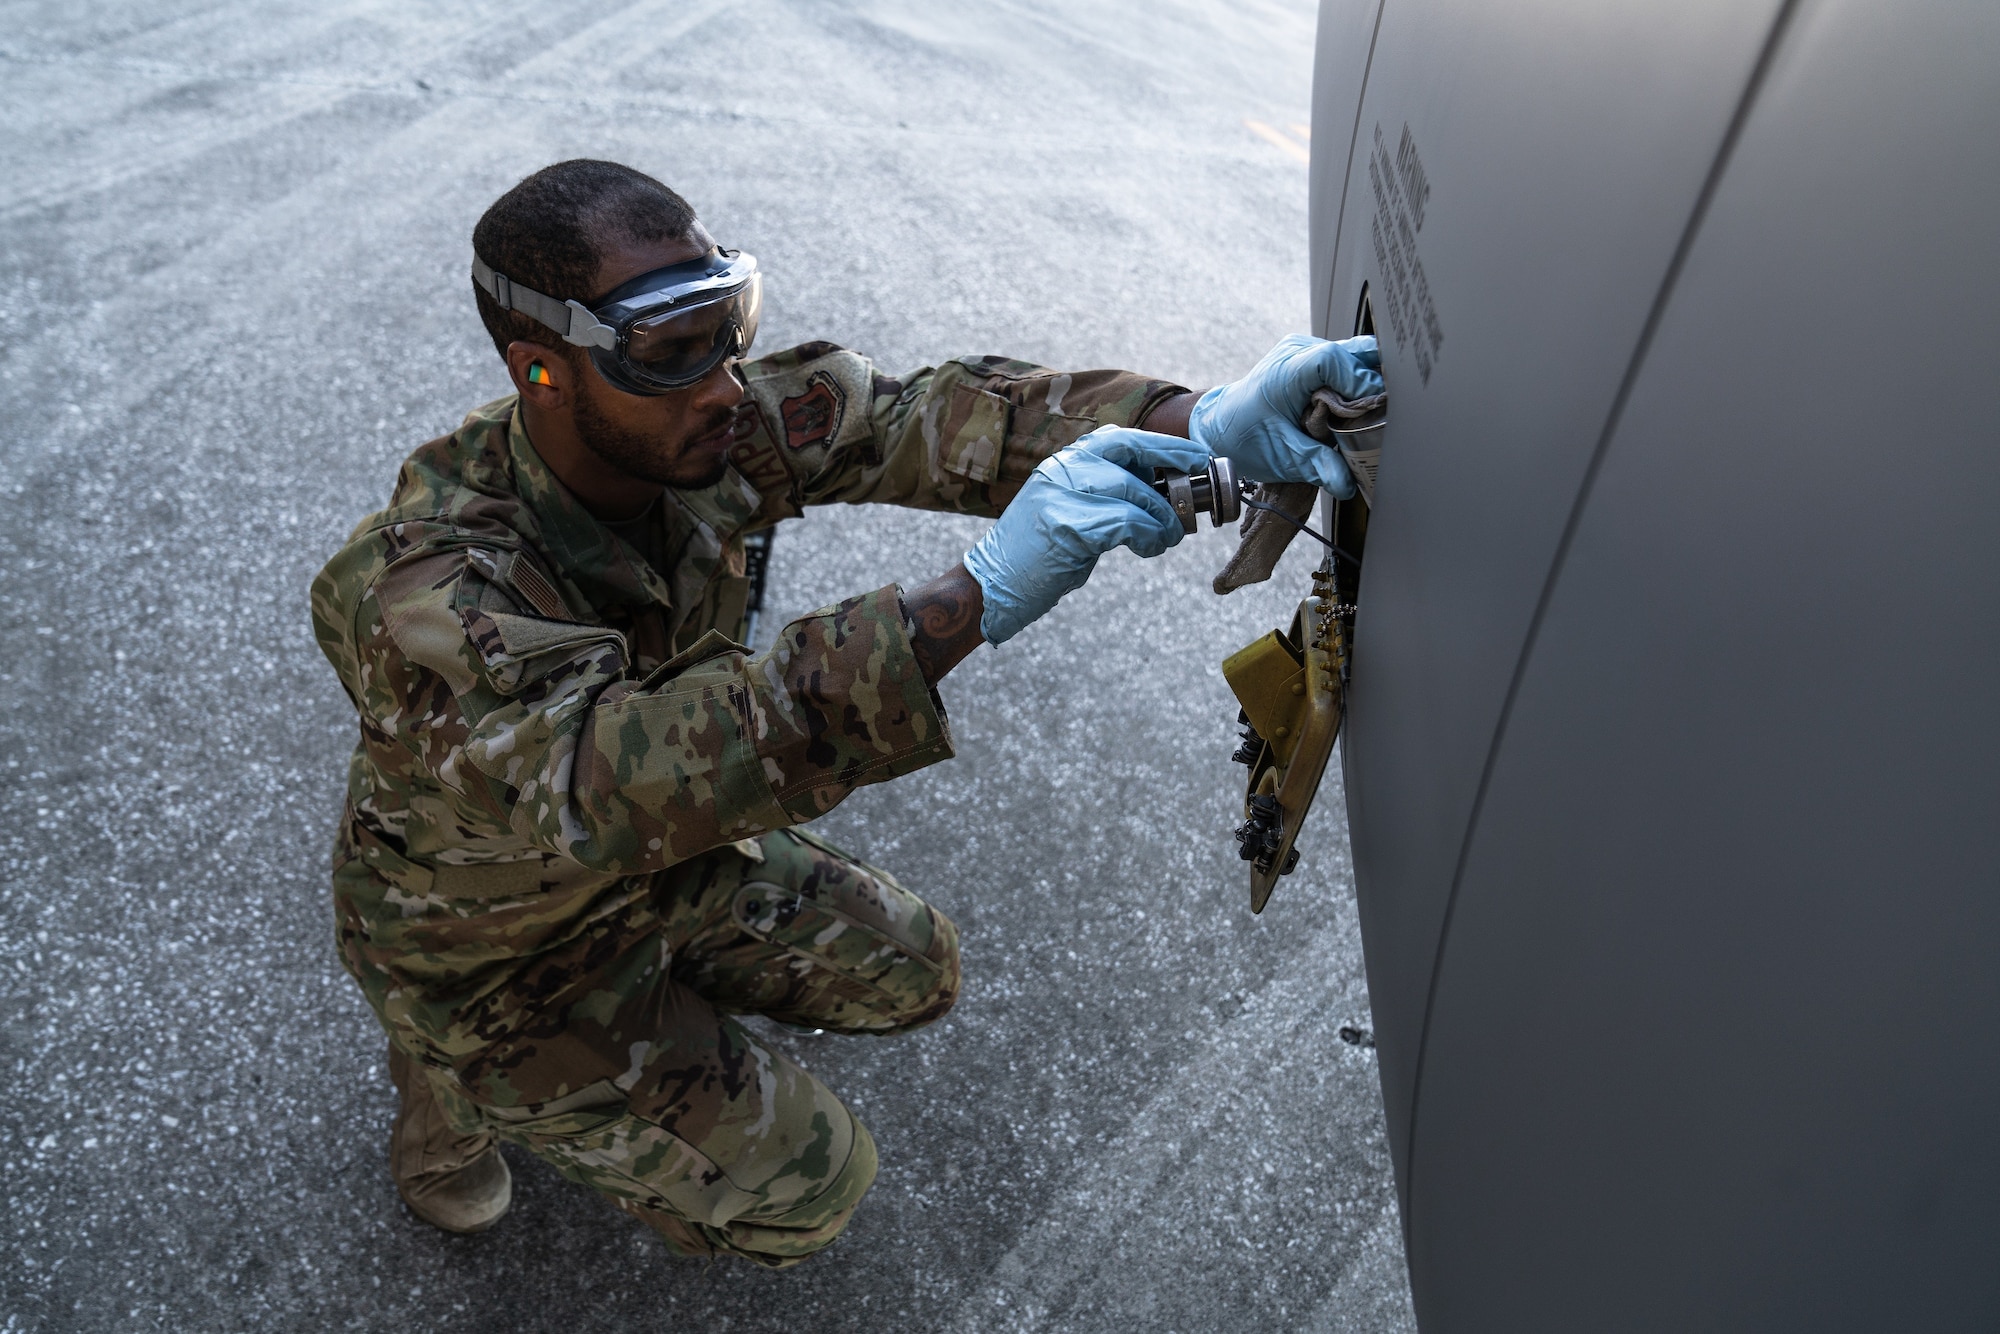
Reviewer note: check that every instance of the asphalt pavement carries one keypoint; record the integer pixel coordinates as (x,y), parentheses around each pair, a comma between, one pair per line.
(233,294)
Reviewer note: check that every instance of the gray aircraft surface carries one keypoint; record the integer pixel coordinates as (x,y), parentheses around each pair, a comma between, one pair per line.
(1674,689)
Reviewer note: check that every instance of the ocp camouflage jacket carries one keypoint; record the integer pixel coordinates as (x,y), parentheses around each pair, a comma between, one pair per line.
(547,718)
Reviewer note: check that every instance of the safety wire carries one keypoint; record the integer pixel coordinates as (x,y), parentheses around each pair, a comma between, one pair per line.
(1329,543)
(1247,488)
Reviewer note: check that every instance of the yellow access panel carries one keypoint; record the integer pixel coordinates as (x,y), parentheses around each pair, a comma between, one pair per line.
(1289,686)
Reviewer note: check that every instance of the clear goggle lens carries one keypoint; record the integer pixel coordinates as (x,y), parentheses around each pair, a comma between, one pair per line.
(680,346)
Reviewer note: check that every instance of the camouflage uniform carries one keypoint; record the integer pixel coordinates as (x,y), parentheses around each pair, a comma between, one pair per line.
(570,847)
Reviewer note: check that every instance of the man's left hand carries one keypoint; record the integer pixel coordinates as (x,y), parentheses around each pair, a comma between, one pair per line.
(1254,421)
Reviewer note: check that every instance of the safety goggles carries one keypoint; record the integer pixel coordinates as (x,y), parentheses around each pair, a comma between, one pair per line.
(662,331)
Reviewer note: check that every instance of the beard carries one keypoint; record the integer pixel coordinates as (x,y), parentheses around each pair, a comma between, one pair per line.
(642,455)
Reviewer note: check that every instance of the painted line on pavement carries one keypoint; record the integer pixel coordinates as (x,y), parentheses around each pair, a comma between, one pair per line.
(1265,132)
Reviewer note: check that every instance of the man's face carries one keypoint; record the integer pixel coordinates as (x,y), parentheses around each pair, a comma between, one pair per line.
(678,439)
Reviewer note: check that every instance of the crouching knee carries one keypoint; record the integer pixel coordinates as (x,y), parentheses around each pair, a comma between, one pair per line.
(780,1239)
(925,984)
(881,961)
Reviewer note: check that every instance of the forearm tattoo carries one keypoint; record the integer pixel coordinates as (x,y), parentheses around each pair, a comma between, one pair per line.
(944,621)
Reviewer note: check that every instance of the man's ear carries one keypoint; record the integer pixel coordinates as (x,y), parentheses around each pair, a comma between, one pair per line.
(541,376)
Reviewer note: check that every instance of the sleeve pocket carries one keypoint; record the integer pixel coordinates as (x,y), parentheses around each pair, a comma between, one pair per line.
(1033,435)
(972,450)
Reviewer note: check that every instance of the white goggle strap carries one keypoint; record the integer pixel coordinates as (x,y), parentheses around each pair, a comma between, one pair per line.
(571,319)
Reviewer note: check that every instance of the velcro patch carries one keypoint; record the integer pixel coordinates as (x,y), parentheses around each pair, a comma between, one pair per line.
(488,880)
(816,408)
(812,417)
(533,585)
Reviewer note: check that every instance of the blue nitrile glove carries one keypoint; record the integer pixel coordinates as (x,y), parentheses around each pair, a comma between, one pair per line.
(1254,422)
(1077,504)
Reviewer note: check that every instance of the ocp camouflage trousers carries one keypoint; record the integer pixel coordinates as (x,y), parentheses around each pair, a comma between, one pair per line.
(646,1090)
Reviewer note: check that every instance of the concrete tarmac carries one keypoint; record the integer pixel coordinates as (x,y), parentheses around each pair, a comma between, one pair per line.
(233,294)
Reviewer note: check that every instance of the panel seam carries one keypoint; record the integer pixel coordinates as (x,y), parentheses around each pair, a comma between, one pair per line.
(1746,102)
(1347,177)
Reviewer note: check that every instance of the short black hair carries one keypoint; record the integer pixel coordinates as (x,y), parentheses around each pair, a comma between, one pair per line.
(550,232)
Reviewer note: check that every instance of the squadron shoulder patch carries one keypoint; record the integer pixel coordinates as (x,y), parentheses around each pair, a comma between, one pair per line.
(812,417)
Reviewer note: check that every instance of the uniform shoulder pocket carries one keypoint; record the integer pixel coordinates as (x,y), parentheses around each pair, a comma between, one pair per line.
(523,637)
(512,644)
(523,581)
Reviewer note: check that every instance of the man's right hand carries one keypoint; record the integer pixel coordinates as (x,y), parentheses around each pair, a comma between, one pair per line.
(1078,504)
